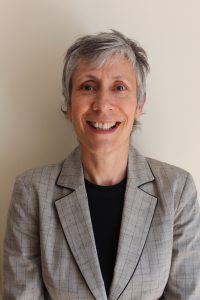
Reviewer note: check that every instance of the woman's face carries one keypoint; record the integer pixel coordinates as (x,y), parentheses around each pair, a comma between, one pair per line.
(104,105)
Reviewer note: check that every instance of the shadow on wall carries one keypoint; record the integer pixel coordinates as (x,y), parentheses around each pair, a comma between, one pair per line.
(35,131)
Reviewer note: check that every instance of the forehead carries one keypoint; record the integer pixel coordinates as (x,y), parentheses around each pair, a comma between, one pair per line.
(114,66)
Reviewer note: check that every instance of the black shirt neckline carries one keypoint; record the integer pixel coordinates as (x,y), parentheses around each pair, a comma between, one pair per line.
(105,187)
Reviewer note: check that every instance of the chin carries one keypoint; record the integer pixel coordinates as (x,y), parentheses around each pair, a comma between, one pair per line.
(104,149)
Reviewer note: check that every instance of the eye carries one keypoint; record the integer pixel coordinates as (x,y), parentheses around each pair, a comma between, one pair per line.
(88,87)
(120,87)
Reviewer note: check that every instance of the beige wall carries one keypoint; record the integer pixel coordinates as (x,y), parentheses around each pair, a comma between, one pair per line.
(34,36)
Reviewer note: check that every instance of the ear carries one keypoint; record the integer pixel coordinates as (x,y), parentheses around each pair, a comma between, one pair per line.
(139,108)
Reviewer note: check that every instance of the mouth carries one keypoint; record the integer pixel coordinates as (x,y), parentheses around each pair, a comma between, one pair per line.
(103,126)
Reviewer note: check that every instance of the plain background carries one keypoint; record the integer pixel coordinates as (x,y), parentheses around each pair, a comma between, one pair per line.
(34,37)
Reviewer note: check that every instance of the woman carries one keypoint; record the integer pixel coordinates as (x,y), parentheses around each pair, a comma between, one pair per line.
(106,223)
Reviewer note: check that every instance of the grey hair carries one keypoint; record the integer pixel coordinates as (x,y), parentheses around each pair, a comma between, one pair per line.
(97,49)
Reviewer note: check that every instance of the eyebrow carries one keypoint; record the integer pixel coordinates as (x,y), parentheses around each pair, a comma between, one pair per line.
(118,77)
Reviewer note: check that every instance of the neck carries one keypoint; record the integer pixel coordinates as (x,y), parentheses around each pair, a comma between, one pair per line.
(105,169)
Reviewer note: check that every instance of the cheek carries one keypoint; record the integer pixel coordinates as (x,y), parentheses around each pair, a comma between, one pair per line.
(69,114)
(129,111)
(80,104)
(77,114)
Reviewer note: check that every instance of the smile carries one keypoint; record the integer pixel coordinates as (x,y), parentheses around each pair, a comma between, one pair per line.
(103,126)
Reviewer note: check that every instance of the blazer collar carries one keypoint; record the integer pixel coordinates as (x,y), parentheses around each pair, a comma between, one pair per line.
(73,212)
(71,175)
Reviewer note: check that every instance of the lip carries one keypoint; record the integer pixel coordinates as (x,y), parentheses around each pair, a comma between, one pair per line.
(99,131)
(102,121)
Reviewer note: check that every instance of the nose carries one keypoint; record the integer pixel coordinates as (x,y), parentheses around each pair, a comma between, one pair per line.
(102,101)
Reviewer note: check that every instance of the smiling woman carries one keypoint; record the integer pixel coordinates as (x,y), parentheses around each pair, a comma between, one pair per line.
(107,222)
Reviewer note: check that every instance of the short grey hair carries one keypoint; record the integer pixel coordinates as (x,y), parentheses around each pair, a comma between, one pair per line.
(97,48)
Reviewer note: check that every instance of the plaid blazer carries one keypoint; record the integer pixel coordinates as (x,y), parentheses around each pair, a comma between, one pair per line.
(49,247)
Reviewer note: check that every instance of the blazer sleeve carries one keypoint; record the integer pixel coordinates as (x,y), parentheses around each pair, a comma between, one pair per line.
(184,278)
(22,267)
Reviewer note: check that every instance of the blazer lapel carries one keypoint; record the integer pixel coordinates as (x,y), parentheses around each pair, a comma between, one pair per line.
(137,215)
(74,215)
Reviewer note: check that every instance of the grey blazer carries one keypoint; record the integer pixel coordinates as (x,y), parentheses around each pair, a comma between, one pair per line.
(49,248)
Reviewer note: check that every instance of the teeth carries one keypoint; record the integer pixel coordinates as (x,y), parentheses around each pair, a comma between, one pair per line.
(104,126)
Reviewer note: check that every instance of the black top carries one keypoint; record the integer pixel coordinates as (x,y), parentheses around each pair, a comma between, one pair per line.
(106,206)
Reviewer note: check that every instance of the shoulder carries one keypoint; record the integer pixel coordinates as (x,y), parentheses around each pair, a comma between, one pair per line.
(48,175)
(40,175)
(165,170)
(171,179)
